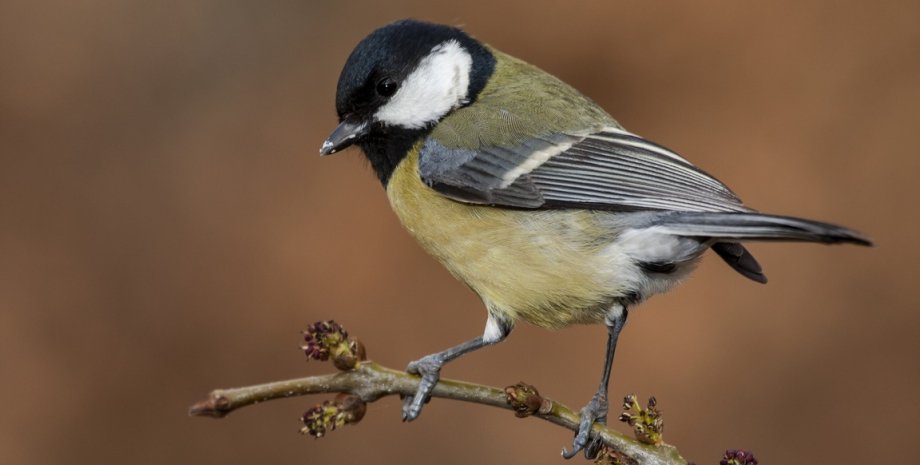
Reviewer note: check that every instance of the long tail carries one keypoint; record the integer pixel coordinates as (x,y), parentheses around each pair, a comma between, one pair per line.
(738,227)
(728,229)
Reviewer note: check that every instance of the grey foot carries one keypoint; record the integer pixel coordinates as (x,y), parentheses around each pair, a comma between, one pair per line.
(429,368)
(595,411)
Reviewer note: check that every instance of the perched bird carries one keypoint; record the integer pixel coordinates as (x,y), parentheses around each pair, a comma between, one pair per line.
(532,195)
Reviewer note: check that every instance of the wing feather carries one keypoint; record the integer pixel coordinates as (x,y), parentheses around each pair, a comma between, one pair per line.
(608,170)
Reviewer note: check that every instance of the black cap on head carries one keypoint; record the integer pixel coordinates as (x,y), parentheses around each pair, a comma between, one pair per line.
(381,65)
(391,53)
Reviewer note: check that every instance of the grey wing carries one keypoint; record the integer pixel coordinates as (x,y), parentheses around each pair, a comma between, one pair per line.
(608,170)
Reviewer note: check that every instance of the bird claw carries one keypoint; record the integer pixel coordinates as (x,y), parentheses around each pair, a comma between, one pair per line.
(429,368)
(594,412)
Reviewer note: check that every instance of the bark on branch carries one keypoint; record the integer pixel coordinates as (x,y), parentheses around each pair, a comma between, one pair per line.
(370,381)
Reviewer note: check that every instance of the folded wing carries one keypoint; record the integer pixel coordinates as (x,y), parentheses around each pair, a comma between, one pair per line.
(607,170)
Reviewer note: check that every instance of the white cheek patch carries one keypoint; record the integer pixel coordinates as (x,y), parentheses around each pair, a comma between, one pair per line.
(439,84)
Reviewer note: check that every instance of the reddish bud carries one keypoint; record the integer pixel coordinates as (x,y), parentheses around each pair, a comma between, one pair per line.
(647,423)
(325,339)
(738,457)
(525,400)
(331,414)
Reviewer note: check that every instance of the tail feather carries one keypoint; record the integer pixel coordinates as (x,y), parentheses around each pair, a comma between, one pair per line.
(740,260)
(726,230)
(738,227)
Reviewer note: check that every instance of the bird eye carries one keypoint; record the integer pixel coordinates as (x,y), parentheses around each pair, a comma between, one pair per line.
(386,87)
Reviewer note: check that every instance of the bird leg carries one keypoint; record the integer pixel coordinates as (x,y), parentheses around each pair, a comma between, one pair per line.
(596,410)
(429,366)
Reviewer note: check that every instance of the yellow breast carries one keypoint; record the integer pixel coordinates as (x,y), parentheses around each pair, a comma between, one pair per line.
(538,265)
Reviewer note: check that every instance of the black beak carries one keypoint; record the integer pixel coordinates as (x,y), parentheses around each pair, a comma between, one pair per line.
(347,133)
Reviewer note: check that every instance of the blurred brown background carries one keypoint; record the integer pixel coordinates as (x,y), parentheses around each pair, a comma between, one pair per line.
(168,228)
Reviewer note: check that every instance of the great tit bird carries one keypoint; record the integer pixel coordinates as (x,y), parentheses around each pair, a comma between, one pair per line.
(532,195)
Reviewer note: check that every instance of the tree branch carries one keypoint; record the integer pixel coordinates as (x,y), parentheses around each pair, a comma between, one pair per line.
(370,381)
